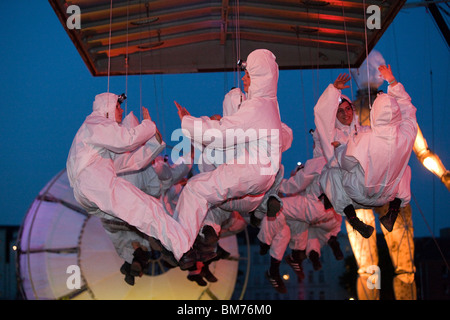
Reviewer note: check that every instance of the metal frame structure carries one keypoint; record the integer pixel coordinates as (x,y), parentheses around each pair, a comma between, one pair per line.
(187,36)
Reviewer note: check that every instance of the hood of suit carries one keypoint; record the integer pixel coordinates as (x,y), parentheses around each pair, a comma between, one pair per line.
(354,125)
(105,105)
(263,71)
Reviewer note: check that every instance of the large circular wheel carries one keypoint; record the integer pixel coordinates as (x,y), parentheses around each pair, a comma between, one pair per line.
(58,239)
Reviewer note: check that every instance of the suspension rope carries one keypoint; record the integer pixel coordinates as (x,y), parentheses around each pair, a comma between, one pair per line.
(346,45)
(140,66)
(109,43)
(238,42)
(367,53)
(126,64)
(318,53)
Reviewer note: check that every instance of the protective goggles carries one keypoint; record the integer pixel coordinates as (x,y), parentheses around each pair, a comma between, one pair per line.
(121,98)
(242,64)
(341,100)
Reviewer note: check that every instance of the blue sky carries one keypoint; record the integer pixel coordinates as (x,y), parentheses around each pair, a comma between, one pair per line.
(47,91)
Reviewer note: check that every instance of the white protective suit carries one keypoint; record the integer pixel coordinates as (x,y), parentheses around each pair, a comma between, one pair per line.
(145,179)
(158,178)
(373,165)
(310,225)
(218,215)
(121,234)
(102,149)
(252,171)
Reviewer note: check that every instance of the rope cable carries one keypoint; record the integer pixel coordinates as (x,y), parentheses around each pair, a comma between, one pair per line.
(367,53)
(109,43)
(140,67)
(348,53)
(126,64)
(237,41)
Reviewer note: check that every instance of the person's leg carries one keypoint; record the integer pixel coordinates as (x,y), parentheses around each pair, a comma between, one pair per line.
(215,187)
(332,186)
(273,275)
(123,200)
(401,199)
(298,242)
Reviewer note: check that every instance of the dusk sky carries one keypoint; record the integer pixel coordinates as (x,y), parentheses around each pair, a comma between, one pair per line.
(47,91)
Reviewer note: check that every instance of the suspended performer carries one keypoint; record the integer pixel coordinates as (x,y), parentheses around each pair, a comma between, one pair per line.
(311,225)
(369,168)
(256,126)
(101,150)
(253,208)
(156,179)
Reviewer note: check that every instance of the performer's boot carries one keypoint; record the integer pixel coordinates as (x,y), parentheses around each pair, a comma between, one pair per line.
(388,220)
(364,229)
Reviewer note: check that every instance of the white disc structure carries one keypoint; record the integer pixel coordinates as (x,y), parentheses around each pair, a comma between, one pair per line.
(58,237)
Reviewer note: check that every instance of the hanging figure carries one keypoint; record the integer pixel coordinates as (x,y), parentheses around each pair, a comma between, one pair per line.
(100,151)
(252,172)
(371,168)
(253,208)
(232,216)
(156,180)
(304,205)
(310,224)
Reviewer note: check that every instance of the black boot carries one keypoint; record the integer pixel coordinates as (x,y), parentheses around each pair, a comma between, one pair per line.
(188,260)
(364,229)
(273,275)
(296,266)
(204,251)
(334,244)
(273,206)
(209,236)
(388,220)
(140,261)
(125,269)
(326,202)
(298,255)
(315,259)
(136,269)
(197,278)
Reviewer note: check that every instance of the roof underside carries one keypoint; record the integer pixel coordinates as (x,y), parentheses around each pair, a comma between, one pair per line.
(185,36)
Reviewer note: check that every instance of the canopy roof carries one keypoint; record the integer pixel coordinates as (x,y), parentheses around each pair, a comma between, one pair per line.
(185,36)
